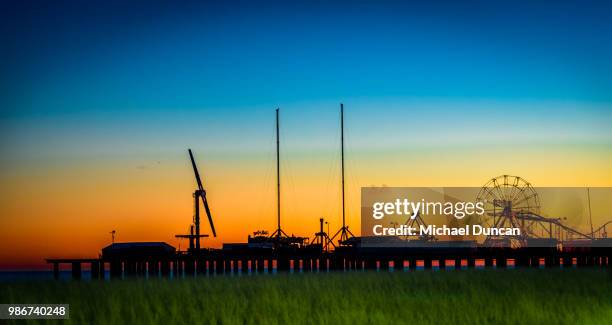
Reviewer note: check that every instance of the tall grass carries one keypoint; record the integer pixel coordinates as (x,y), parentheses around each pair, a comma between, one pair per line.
(462,297)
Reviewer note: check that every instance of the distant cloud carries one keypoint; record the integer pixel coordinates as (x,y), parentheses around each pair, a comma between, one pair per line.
(143,167)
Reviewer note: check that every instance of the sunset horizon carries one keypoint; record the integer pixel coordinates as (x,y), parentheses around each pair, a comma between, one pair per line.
(102,103)
(300,162)
(239,178)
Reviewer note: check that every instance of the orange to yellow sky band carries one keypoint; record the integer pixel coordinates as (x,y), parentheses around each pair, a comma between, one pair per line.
(65,201)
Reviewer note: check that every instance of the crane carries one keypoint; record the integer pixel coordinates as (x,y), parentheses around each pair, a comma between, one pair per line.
(199,195)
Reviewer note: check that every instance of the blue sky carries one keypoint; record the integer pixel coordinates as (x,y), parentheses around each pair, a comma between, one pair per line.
(147,71)
(149,55)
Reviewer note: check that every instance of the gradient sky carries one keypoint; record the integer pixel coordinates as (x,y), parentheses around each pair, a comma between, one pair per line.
(100,101)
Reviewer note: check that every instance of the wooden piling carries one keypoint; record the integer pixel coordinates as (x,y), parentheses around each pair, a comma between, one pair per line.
(94,269)
(76,270)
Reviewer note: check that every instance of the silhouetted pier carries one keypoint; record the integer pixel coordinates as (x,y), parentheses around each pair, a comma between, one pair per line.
(279,252)
(210,262)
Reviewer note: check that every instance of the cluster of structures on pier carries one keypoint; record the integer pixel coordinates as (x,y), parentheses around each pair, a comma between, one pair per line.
(265,252)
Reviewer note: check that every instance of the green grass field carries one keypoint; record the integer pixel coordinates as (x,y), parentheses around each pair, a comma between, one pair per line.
(462,297)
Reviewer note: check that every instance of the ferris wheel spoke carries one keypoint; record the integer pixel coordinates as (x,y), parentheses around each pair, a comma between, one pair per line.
(515,190)
(492,195)
(526,198)
(499,193)
(495,190)
(521,190)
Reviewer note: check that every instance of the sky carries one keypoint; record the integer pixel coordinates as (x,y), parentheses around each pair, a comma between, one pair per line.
(99,102)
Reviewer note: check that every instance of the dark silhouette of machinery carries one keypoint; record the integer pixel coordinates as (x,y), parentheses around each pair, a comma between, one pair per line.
(198,195)
(321,238)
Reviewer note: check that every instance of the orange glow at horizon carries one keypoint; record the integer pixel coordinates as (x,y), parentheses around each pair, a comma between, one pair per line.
(68,210)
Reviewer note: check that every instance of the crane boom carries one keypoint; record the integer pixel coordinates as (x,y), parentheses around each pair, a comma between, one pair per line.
(202,194)
(195,170)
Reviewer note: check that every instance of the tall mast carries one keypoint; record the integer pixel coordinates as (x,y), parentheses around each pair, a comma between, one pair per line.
(343,232)
(342,158)
(278,207)
(590,215)
(278,233)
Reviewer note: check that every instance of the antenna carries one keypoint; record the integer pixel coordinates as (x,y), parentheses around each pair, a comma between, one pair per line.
(344,231)
(278,208)
(278,233)
(113,232)
(342,159)
(590,216)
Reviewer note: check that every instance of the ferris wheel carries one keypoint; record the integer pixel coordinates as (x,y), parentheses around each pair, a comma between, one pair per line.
(506,200)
